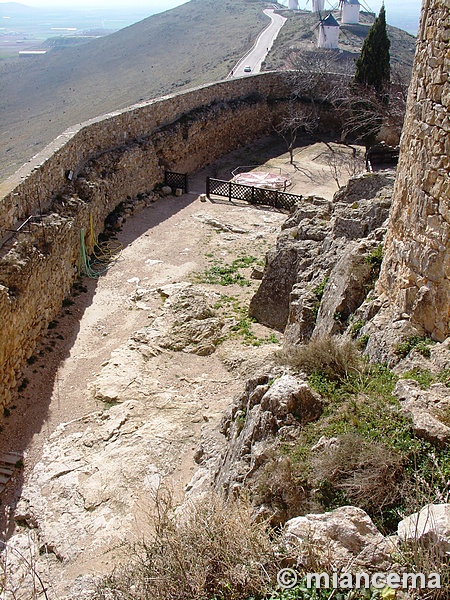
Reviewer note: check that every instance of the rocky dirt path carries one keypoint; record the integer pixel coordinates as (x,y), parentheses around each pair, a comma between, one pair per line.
(118,393)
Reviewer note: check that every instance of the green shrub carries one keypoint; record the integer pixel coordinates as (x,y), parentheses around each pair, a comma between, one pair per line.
(375,258)
(415,342)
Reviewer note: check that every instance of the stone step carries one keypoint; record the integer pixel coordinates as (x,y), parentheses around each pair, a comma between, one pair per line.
(4,479)
(4,471)
(10,458)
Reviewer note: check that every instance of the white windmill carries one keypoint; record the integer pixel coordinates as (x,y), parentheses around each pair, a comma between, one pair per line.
(293,5)
(318,5)
(349,11)
(328,33)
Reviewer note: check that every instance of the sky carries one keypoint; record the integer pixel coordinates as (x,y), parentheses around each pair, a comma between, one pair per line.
(402,13)
(152,6)
(160,5)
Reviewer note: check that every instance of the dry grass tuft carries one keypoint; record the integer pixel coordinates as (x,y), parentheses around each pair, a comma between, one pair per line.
(282,488)
(213,549)
(334,357)
(366,473)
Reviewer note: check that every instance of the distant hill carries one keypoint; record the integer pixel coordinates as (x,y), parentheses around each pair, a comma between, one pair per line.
(192,44)
(16,9)
(298,35)
(189,45)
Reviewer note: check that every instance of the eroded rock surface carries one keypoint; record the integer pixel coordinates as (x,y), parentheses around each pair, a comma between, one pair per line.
(324,243)
(272,405)
(188,323)
(343,538)
(426,408)
(428,527)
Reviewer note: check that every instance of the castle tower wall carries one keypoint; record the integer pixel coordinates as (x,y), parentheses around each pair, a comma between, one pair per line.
(415,275)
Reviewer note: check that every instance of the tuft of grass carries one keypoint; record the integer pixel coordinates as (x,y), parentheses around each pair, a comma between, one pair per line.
(415,342)
(362,341)
(375,258)
(318,293)
(319,289)
(215,551)
(424,377)
(243,324)
(330,356)
(227,274)
(356,327)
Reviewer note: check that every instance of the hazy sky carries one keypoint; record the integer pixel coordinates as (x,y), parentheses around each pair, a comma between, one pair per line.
(401,13)
(160,5)
(152,6)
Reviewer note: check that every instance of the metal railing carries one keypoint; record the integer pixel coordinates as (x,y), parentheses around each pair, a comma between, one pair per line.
(251,194)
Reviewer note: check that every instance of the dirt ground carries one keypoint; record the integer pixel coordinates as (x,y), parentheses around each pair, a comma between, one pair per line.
(165,243)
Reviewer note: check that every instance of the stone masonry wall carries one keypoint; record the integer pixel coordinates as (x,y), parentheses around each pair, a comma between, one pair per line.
(415,277)
(45,174)
(114,156)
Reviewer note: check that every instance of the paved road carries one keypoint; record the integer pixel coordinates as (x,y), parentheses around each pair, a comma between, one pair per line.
(255,57)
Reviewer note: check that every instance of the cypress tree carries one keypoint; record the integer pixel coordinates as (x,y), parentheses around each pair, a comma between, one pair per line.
(373,65)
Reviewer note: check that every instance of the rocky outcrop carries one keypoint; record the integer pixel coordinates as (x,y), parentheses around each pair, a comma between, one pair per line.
(416,267)
(272,406)
(346,288)
(324,250)
(338,539)
(267,405)
(187,323)
(427,409)
(429,527)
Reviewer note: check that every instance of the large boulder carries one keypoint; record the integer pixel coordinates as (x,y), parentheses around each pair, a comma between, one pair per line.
(288,395)
(345,536)
(425,407)
(428,527)
(270,304)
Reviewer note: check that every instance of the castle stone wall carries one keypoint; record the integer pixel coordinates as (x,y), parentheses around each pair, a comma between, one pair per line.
(415,277)
(113,158)
(45,174)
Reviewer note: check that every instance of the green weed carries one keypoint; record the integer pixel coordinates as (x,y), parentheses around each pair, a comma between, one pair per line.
(227,274)
(415,342)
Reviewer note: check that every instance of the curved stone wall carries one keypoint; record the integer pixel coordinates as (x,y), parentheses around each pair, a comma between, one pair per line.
(44,174)
(415,275)
(113,157)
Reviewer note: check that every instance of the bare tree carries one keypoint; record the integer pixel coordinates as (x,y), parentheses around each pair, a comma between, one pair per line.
(323,80)
(297,118)
(343,162)
(365,113)
(319,76)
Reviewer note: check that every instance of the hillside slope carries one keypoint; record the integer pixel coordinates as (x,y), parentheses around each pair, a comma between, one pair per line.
(192,44)
(299,35)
